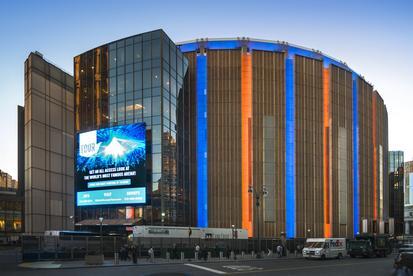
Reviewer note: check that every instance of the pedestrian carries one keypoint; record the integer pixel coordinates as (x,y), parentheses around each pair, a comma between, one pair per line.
(197,249)
(279,251)
(227,252)
(150,254)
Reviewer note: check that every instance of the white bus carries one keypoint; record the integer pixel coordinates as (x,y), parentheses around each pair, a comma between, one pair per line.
(323,248)
(188,232)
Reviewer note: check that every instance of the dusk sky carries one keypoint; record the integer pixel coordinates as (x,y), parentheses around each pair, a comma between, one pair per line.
(375,38)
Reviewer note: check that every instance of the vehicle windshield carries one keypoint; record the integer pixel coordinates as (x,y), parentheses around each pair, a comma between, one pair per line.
(357,244)
(314,245)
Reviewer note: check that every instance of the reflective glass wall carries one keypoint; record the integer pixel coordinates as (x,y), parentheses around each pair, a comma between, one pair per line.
(140,80)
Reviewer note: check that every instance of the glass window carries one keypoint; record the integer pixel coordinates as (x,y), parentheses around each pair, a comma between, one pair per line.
(129,54)
(121,97)
(172,60)
(121,43)
(147,107)
(156,106)
(146,48)
(112,59)
(156,134)
(146,64)
(156,48)
(129,97)
(112,46)
(165,49)
(138,80)
(179,64)
(146,93)
(173,114)
(137,39)
(121,70)
(156,62)
(112,86)
(147,121)
(165,80)
(120,59)
(129,68)
(156,148)
(156,77)
(156,91)
(146,79)
(173,87)
(138,108)
(156,120)
(146,36)
(112,72)
(137,66)
(137,52)
(129,82)
(137,94)
(129,41)
(166,108)
(121,84)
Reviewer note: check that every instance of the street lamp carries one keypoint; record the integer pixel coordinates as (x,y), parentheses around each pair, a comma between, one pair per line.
(101,240)
(308,233)
(163,217)
(257,195)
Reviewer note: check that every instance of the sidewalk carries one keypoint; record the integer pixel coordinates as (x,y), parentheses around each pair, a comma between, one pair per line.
(142,261)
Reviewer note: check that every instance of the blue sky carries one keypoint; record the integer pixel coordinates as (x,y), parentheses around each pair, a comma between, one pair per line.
(374,37)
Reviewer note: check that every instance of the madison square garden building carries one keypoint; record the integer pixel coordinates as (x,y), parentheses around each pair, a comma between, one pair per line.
(225,116)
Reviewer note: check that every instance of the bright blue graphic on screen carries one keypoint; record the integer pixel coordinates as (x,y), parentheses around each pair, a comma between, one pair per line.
(108,159)
(112,197)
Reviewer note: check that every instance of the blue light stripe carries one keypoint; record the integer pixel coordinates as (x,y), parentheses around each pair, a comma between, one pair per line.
(356,214)
(201,140)
(290,147)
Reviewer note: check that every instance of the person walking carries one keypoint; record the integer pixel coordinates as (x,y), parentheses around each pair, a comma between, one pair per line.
(197,249)
(279,251)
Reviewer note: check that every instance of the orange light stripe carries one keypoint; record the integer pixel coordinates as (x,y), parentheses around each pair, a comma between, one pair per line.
(326,123)
(374,156)
(246,115)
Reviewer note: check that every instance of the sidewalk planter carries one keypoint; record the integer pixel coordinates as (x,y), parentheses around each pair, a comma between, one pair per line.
(94,259)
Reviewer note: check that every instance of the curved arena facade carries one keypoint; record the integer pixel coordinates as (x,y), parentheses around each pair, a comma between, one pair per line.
(282,140)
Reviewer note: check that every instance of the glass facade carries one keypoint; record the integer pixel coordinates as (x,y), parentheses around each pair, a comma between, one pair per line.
(396,159)
(132,80)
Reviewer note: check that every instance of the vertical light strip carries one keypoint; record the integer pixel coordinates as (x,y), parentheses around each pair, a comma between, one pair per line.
(201,140)
(246,140)
(326,151)
(356,214)
(290,148)
(374,133)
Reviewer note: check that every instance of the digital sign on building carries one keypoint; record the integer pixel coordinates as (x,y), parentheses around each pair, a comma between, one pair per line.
(110,166)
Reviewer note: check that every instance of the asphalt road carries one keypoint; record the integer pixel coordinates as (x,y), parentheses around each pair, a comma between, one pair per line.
(347,266)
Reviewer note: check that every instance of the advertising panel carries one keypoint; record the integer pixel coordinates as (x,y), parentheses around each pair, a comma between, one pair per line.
(110,166)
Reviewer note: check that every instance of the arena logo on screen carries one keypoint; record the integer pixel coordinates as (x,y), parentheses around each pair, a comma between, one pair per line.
(87,144)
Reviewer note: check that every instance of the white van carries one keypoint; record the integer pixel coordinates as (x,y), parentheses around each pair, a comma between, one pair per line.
(323,248)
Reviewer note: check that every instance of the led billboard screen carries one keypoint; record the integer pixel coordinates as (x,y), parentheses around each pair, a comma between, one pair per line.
(110,166)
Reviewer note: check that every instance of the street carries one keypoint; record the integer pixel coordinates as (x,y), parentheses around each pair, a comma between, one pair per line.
(346,266)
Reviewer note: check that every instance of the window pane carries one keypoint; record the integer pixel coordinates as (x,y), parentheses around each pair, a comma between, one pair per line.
(121,84)
(156,134)
(156,48)
(156,77)
(120,57)
(129,82)
(112,59)
(138,80)
(156,106)
(129,54)
(146,107)
(146,46)
(146,79)
(137,52)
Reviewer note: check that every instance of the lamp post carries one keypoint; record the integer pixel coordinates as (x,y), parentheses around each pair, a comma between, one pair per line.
(72,220)
(308,233)
(233,236)
(101,239)
(257,195)
(163,218)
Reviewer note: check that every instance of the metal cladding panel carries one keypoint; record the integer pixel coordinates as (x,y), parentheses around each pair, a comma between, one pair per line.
(224,139)
(202,140)
(268,136)
(356,189)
